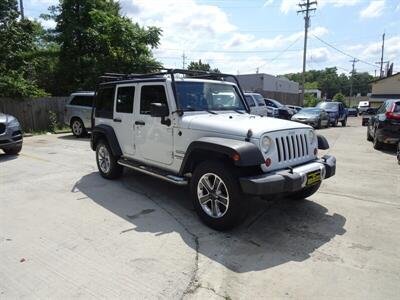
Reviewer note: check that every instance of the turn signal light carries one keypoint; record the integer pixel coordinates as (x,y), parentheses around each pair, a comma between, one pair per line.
(268,162)
(236,157)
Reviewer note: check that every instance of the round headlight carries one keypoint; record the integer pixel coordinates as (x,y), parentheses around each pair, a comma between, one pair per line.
(312,136)
(13,123)
(266,143)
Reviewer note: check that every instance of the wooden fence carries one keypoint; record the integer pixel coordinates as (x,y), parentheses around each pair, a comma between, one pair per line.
(33,114)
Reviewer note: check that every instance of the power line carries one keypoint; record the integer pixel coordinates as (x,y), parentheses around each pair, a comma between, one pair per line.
(305,8)
(344,53)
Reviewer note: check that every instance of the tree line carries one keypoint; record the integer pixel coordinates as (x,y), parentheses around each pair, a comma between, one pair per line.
(90,38)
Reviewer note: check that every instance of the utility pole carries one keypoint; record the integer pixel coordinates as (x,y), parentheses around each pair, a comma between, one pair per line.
(183,60)
(305,8)
(383,50)
(21,8)
(354,61)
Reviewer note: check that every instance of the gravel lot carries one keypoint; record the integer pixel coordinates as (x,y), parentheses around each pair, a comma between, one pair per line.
(67,233)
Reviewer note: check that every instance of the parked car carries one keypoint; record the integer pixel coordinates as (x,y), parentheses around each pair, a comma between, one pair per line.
(363,106)
(315,117)
(257,105)
(367,115)
(78,112)
(10,134)
(398,153)
(283,112)
(384,126)
(352,112)
(295,108)
(336,110)
(178,129)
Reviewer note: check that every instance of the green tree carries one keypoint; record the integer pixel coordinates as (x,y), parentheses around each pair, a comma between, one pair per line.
(94,38)
(339,97)
(200,66)
(17,43)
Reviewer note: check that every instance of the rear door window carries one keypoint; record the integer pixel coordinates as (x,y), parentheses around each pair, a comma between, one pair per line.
(250,101)
(105,102)
(125,98)
(81,100)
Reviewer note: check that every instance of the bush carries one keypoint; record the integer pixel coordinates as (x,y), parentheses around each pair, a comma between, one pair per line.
(310,101)
(53,121)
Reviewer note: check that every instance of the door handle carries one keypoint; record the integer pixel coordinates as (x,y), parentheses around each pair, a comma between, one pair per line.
(140,123)
(117,120)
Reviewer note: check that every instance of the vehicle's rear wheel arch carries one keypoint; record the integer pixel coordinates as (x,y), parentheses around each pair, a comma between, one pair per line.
(107,133)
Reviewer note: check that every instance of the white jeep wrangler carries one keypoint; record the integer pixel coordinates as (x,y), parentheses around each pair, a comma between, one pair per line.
(192,128)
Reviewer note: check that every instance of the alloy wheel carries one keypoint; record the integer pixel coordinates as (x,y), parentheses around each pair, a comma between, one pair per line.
(77,127)
(104,159)
(213,195)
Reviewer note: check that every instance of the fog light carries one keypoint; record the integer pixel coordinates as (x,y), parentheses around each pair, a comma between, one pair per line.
(315,151)
(268,162)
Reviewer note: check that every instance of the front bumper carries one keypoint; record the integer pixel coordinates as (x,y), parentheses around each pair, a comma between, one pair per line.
(10,139)
(287,181)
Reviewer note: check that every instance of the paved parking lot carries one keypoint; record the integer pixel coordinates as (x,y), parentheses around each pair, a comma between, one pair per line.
(65,232)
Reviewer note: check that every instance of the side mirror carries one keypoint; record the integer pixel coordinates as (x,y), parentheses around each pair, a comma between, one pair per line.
(159,110)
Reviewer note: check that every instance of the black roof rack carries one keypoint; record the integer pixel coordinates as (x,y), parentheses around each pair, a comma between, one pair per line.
(113,77)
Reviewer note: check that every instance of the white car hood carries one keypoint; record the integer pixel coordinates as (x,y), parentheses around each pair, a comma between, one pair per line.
(237,124)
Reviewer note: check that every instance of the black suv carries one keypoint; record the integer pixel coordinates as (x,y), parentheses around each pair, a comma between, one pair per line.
(284,112)
(384,126)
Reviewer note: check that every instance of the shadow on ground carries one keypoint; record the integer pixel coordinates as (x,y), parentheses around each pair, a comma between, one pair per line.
(274,233)
(74,138)
(6,157)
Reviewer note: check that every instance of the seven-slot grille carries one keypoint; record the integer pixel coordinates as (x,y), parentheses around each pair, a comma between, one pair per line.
(294,146)
(2,128)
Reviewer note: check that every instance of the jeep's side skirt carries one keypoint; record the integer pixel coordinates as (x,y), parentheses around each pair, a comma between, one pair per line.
(153,171)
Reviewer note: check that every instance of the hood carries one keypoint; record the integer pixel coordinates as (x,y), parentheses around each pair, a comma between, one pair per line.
(305,116)
(3,118)
(237,124)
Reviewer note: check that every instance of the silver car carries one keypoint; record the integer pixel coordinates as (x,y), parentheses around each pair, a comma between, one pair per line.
(78,112)
(316,117)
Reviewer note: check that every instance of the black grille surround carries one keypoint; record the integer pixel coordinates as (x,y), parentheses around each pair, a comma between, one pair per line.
(2,128)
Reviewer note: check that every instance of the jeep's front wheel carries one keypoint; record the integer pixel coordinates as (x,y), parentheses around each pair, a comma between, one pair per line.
(107,163)
(216,195)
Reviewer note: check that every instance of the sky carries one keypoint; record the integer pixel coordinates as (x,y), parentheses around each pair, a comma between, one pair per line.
(241,37)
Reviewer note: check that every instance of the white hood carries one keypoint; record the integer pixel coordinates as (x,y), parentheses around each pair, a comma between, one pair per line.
(237,124)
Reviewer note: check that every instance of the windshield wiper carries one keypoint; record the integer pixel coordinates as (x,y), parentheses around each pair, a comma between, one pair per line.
(238,111)
(210,111)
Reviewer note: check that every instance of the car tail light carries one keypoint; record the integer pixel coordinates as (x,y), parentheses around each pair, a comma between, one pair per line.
(390,114)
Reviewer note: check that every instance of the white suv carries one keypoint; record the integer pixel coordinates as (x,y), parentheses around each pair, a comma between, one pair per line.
(193,128)
(257,106)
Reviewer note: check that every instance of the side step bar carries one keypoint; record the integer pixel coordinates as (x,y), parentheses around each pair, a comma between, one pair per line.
(153,172)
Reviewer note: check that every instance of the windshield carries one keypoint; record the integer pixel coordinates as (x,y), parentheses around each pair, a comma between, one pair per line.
(328,105)
(275,103)
(311,111)
(259,99)
(207,96)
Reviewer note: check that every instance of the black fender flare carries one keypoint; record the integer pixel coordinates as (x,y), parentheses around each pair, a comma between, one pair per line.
(108,132)
(242,153)
(322,142)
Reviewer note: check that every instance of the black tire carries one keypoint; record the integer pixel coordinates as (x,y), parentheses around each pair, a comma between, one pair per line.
(319,125)
(398,153)
(13,151)
(78,128)
(335,123)
(328,124)
(305,193)
(377,144)
(344,122)
(369,137)
(233,212)
(108,168)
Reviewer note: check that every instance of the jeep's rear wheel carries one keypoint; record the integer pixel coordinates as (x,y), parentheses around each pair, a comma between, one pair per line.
(305,193)
(216,195)
(107,163)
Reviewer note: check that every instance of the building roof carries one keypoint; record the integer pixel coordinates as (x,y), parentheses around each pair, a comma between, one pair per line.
(384,78)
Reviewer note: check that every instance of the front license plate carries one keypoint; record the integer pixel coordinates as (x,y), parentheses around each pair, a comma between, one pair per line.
(313,177)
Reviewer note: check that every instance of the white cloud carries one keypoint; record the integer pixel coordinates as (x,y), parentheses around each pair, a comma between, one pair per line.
(319,55)
(374,9)
(290,5)
(268,2)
